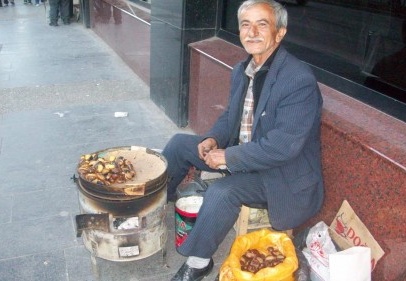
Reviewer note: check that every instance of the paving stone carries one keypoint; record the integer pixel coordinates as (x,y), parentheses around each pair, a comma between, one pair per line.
(6,202)
(45,203)
(37,267)
(36,236)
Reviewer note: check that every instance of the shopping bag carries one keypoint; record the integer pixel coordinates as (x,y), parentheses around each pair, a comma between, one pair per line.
(353,264)
(260,240)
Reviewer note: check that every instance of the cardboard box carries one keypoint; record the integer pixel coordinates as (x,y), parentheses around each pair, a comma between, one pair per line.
(347,230)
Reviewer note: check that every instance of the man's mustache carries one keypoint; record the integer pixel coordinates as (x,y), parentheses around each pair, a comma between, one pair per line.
(253,39)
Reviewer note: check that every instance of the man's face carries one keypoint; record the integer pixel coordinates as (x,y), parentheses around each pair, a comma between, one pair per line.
(258,32)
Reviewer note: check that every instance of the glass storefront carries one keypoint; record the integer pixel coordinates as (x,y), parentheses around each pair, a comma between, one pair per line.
(355,46)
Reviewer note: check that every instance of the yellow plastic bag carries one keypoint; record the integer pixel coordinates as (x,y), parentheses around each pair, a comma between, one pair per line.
(260,240)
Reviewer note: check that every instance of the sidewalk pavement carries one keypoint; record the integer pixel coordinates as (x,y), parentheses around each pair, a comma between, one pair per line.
(59,89)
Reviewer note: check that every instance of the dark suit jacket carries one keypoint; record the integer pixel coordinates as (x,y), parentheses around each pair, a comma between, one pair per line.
(285,146)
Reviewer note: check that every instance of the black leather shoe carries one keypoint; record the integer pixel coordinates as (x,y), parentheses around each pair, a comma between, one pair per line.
(187,273)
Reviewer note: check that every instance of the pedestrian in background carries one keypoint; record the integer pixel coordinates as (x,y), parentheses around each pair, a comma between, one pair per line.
(56,8)
(6,2)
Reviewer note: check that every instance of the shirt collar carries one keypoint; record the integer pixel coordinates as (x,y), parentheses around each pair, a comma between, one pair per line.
(266,65)
(252,68)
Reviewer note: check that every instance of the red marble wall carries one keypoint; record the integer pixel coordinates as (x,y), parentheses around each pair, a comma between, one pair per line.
(364,152)
(126,29)
(364,160)
(207,99)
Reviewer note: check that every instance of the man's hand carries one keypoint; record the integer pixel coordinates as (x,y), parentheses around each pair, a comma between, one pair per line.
(206,146)
(215,158)
(208,152)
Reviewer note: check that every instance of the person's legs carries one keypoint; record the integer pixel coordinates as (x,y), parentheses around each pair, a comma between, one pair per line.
(53,12)
(64,4)
(181,154)
(220,209)
(221,206)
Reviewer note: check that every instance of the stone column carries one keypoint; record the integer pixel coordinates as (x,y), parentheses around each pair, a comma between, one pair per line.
(175,24)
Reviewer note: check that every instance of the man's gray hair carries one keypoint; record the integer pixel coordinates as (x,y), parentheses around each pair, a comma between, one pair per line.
(281,15)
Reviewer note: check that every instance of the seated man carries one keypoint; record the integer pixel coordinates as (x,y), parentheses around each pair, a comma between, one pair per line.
(268,138)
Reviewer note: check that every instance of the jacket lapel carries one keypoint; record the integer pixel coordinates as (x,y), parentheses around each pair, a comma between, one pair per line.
(267,87)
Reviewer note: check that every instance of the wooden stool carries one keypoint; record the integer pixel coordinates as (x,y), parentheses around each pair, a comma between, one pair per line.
(242,224)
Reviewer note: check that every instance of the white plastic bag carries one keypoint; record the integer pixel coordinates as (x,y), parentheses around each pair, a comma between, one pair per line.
(318,248)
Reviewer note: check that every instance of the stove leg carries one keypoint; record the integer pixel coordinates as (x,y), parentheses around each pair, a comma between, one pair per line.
(95,268)
(164,257)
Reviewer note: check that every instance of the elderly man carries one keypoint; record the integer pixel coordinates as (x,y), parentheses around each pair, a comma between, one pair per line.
(268,138)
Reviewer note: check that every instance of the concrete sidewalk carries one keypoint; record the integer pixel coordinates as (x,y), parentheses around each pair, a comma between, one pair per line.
(59,89)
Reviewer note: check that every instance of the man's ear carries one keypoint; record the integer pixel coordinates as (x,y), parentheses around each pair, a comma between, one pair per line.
(281,33)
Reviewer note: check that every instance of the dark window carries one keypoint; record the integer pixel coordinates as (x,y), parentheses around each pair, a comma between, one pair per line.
(144,3)
(355,46)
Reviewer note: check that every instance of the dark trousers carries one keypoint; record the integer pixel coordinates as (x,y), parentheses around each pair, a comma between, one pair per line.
(222,200)
(57,7)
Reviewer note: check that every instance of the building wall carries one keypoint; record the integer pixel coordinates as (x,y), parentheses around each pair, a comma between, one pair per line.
(126,29)
(175,24)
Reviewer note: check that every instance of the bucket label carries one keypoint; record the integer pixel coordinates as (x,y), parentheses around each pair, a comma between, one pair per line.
(183,228)
(186,210)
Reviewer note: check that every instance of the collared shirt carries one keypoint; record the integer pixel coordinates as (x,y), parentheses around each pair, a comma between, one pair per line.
(248,110)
